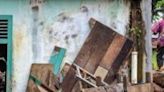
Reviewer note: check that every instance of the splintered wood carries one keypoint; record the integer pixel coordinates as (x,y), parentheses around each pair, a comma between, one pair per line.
(41,78)
(104,49)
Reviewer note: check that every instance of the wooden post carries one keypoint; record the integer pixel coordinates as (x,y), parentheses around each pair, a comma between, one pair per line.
(138,34)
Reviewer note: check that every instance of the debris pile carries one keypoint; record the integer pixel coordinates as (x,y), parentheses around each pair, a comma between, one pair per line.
(97,68)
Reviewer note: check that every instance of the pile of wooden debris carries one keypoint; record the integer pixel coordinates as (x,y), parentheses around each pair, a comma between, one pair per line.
(99,67)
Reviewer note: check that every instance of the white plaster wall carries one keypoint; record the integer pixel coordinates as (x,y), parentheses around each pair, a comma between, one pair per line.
(59,23)
(146,7)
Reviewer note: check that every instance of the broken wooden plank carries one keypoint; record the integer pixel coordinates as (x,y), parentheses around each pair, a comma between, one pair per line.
(57,58)
(125,50)
(44,73)
(39,83)
(69,80)
(148,87)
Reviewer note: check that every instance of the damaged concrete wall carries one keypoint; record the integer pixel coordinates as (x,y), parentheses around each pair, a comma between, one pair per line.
(146,6)
(60,23)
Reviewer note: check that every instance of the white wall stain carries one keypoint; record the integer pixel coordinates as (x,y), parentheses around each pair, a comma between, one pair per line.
(64,25)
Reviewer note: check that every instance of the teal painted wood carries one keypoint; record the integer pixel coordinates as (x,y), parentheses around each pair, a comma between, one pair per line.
(56,59)
(8,41)
(3,41)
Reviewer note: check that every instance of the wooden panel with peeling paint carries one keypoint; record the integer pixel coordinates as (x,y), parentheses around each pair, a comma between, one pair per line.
(57,58)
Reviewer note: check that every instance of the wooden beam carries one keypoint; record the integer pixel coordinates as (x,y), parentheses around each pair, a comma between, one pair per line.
(148,87)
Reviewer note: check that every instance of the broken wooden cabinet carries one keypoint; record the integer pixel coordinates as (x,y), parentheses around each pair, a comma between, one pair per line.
(103,48)
(6,52)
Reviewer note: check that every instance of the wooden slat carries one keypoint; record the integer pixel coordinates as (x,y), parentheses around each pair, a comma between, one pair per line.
(118,61)
(141,88)
(3,20)
(69,80)
(113,51)
(3,23)
(100,46)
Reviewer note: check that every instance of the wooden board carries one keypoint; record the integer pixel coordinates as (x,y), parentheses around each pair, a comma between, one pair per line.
(103,47)
(111,88)
(148,87)
(95,47)
(103,38)
(57,58)
(101,72)
(113,51)
(42,72)
(125,50)
(69,80)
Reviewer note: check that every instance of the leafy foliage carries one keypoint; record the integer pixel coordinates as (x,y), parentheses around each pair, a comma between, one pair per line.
(159,4)
(158,7)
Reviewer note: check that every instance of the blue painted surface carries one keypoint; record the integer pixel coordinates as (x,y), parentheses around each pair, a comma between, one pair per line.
(8,41)
(56,59)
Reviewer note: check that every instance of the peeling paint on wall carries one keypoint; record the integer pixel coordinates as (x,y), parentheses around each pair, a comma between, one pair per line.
(59,23)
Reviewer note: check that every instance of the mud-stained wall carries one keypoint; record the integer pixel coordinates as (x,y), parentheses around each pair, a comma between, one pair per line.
(56,23)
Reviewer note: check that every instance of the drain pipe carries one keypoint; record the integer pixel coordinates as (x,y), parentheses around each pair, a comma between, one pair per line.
(134,65)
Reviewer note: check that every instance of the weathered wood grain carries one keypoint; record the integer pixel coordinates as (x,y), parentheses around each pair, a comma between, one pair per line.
(118,61)
(69,80)
(113,51)
(103,38)
(103,47)
(44,73)
(148,87)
